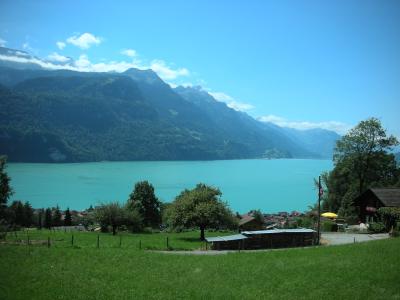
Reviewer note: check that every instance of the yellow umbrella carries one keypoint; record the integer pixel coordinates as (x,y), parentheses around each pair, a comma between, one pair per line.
(329,215)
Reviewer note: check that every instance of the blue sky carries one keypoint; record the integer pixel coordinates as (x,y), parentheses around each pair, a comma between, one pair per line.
(302,64)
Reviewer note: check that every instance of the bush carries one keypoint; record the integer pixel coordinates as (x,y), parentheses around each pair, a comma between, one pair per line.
(376,227)
(329,226)
(390,216)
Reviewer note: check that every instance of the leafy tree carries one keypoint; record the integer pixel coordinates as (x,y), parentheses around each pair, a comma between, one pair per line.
(111,215)
(18,213)
(200,207)
(146,203)
(390,216)
(134,220)
(68,218)
(257,214)
(5,188)
(57,217)
(364,148)
(48,220)
(361,160)
(28,214)
(40,219)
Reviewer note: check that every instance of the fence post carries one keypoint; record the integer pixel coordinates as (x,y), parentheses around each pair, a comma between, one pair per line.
(167,243)
(98,241)
(354,240)
(120,241)
(48,242)
(72,240)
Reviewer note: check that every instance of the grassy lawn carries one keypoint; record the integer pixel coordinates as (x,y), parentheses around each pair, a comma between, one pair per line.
(358,271)
(150,241)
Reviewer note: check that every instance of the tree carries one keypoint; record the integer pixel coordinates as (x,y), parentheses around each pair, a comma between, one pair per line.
(361,160)
(18,213)
(28,214)
(40,218)
(110,215)
(48,220)
(257,214)
(68,218)
(390,216)
(200,207)
(57,217)
(5,188)
(365,148)
(146,203)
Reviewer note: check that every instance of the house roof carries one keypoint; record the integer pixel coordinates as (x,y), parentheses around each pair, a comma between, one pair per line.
(273,231)
(388,196)
(246,219)
(234,237)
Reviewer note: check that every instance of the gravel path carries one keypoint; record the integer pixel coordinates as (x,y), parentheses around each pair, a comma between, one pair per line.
(341,238)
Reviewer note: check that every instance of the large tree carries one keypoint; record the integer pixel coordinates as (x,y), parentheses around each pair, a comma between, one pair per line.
(362,159)
(57,217)
(5,188)
(28,214)
(200,207)
(68,218)
(48,220)
(143,200)
(115,215)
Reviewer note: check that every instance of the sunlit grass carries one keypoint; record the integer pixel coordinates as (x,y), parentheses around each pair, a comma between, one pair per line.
(368,270)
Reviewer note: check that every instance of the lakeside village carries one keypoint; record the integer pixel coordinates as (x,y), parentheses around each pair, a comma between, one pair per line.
(361,193)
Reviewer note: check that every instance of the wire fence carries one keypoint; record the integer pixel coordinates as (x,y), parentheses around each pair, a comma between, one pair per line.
(79,239)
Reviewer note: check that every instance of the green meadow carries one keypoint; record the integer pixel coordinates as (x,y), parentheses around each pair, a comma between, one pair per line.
(358,271)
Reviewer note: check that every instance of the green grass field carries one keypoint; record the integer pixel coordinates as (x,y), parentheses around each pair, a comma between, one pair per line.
(359,271)
(150,241)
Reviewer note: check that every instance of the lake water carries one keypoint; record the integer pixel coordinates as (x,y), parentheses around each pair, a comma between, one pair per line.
(269,185)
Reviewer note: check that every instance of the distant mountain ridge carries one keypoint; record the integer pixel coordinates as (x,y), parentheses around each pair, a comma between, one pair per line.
(68,116)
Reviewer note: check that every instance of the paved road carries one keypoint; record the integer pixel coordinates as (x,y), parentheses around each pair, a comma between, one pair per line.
(340,238)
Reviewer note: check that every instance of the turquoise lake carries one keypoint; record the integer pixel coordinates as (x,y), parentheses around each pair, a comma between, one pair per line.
(269,185)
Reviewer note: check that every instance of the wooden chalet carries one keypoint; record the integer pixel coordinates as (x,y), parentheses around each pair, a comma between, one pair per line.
(371,200)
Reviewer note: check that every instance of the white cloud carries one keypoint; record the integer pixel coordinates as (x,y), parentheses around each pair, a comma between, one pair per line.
(2,42)
(84,41)
(129,52)
(239,106)
(58,58)
(231,102)
(221,96)
(165,72)
(336,126)
(83,62)
(61,45)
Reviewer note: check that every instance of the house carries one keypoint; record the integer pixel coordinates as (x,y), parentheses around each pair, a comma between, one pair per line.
(371,200)
(264,239)
(248,222)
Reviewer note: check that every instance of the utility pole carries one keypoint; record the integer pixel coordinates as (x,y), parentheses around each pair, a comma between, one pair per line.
(319,210)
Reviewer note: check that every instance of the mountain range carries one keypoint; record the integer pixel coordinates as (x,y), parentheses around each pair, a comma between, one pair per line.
(70,116)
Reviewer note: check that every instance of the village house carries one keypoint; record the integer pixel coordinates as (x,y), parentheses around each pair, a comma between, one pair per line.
(371,200)
(248,222)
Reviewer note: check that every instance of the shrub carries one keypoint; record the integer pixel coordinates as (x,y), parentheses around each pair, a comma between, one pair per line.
(390,216)
(329,226)
(376,227)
